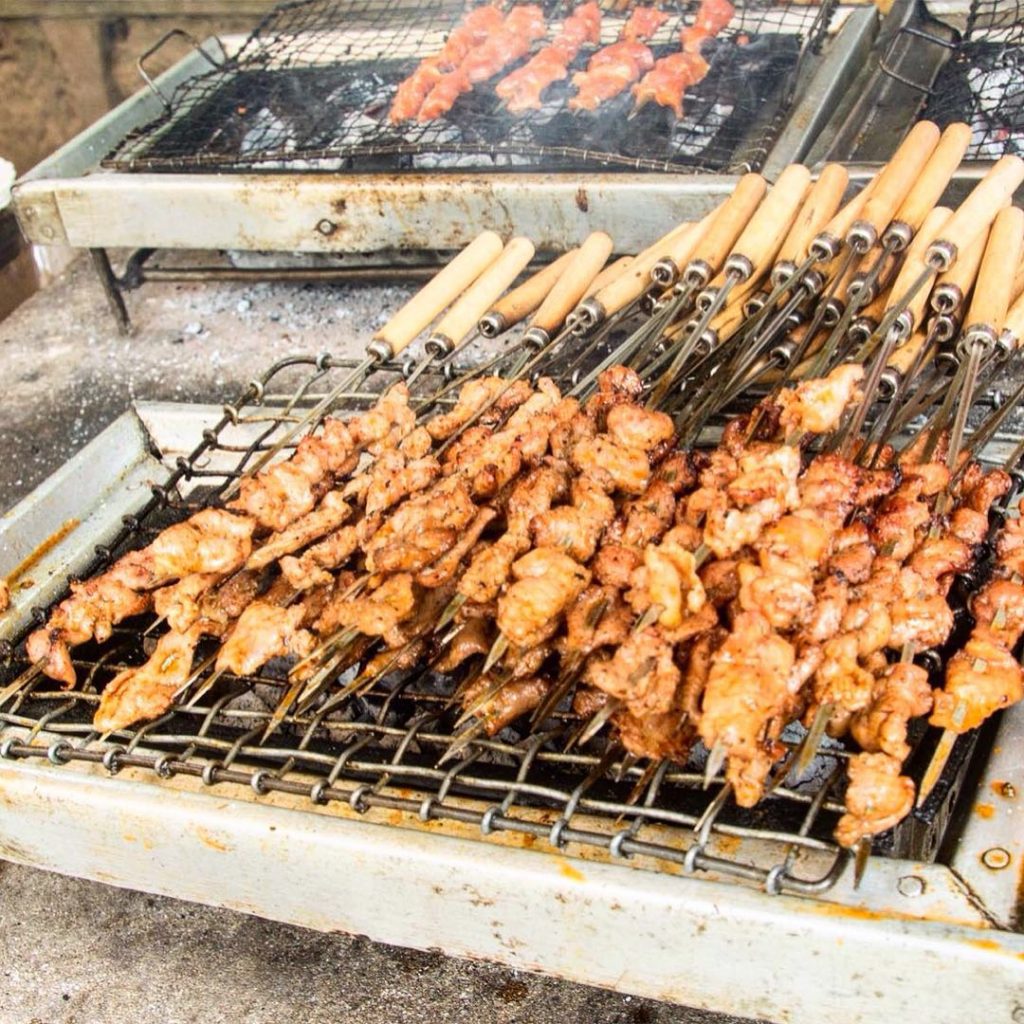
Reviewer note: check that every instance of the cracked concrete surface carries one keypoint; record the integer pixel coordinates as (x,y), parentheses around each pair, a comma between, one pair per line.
(76,952)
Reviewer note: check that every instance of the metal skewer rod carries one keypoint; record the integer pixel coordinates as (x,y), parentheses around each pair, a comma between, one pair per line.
(397,333)
(754,249)
(458,323)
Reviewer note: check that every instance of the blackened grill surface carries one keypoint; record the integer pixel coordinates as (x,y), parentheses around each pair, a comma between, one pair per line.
(312,86)
(983,82)
(532,784)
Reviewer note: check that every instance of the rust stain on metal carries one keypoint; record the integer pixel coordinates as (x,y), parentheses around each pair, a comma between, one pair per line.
(571,872)
(38,553)
(211,841)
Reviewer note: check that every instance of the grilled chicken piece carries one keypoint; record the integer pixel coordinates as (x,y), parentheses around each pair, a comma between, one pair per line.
(901,692)
(632,426)
(144,693)
(641,672)
(668,735)
(312,567)
(522,89)
(980,679)
(610,72)
(628,467)
(374,614)
(179,603)
(547,582)
(748,686)
(668,579)
(514,699)
(816,406)
(999,608)
(597,618)
(265,630)
(643,23)
(473,638)
(324,519)
(712,16)
(669,79)
(877,797)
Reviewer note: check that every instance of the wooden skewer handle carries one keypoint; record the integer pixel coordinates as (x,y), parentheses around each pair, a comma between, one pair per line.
(977,211)
(913,261)
(679,249)
(569,288)
(485,290)
(609,275)
(619,293)
(836,230)
(895,181)
(928,188)
(522,301)
(818,209)
(902,359)
(729,221)
(759,243)
(959,279)
(991,298)
(1014,322)
(440,291)
(1018,281)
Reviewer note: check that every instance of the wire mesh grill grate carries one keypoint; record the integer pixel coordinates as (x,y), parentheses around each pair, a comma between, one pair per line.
(311,88)
(382,749)
(983,81)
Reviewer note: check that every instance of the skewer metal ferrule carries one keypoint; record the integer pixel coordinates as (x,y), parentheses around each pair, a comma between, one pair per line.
(665,273)
(861,236)
(889,383)
(833,312)
(491,325)
(535,339)
(782,273)
(753,305)
(897,236)
(944,327)
(946,298)
(977,335)
(706,299)
(589,313)
(1006,344)
(941,256)
(812,282)
(739,265)
(825,248)
(861,330)
(438,345)
(697,274)
(903,325)
(380,350)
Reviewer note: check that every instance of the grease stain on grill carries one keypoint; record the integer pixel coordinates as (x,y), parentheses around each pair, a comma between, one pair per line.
(13,578)
(582,201)
(210,840)
(985,811)
(572,873)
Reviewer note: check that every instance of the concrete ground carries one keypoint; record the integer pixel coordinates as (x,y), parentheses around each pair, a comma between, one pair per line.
(74,952)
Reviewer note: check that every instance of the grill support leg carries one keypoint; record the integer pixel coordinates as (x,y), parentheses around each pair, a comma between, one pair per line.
(101,261)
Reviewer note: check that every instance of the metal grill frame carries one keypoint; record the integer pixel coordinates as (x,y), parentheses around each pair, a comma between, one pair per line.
(514,893)
(68,199)
(297,38)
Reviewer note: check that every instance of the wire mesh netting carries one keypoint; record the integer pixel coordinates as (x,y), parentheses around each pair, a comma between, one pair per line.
(312,87)
(384,747)
(983,81)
